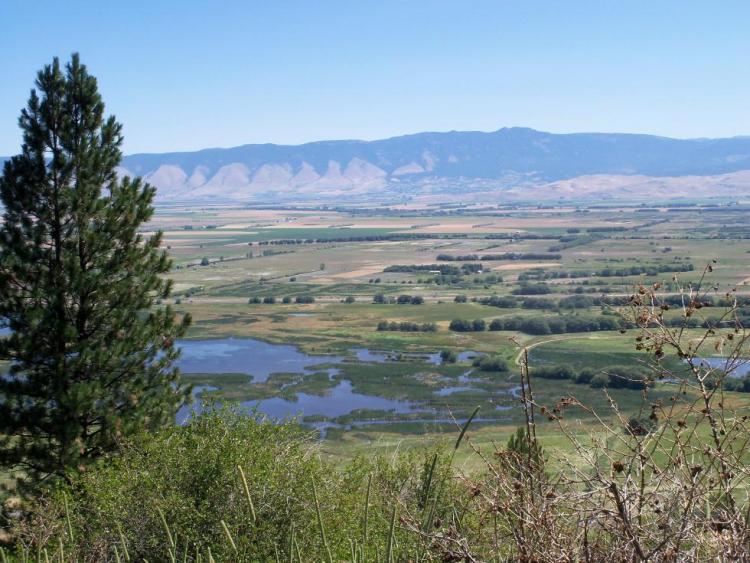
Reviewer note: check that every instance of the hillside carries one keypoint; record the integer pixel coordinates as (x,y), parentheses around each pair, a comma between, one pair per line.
(442,166)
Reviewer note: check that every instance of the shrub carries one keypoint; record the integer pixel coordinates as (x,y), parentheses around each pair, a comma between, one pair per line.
(553,372)
(501,302)
(585,375)
(547,304)
(406,326)
(536,326)
(490,363)
(576,302)
(187,478)
(599,380)
(532,289)
(496,324)
(458,325)
(448,356)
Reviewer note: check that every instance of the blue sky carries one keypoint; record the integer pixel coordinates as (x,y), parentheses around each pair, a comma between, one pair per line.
(191,74)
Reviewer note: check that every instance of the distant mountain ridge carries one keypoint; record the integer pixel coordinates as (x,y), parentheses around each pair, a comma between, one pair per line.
(428,164)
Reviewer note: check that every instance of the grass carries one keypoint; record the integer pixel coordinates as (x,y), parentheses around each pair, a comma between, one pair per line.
(219,294)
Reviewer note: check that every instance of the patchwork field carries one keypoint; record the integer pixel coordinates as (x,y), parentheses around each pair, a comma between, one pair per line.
(399,281)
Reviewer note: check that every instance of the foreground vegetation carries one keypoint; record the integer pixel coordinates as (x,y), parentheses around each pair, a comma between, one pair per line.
(666,481)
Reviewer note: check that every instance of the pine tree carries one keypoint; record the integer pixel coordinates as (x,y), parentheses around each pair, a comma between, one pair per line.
(91,359)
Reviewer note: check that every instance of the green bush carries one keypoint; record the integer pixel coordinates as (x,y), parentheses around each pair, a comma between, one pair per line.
(190,474)
(182,491)
(490,363)
(448,356)
(585,375)
(599,380)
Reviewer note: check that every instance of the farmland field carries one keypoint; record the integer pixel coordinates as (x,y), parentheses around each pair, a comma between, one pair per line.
(391,281)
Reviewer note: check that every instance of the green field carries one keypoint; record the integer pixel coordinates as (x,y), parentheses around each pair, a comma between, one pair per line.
(224,257)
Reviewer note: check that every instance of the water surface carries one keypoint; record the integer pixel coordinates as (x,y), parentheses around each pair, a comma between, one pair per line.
(741,367)
(246,355)
(260,359)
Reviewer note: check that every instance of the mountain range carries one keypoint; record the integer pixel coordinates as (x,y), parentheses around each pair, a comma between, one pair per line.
(511,163)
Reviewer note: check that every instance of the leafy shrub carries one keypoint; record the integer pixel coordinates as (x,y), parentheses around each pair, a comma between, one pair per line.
(554,372)
(490,363)
(406,326)
(532,289)
(410,300)
(585,375)
(181,492)
(501,302)
(448,356)
(599,380)
(576,302)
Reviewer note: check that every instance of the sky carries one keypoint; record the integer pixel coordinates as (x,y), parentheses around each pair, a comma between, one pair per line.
(192,74)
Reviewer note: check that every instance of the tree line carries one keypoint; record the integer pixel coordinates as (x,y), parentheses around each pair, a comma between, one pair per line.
(270,299)
(382,299)
(498,257)
(400,237)
(540,326)
(649,270)
(443,269)
(405,326)
(615,377)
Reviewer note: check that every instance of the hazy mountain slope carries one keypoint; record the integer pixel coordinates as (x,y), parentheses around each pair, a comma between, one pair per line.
(424,163)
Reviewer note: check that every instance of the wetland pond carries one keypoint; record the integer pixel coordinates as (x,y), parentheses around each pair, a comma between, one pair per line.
(262,362)
(738,368)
